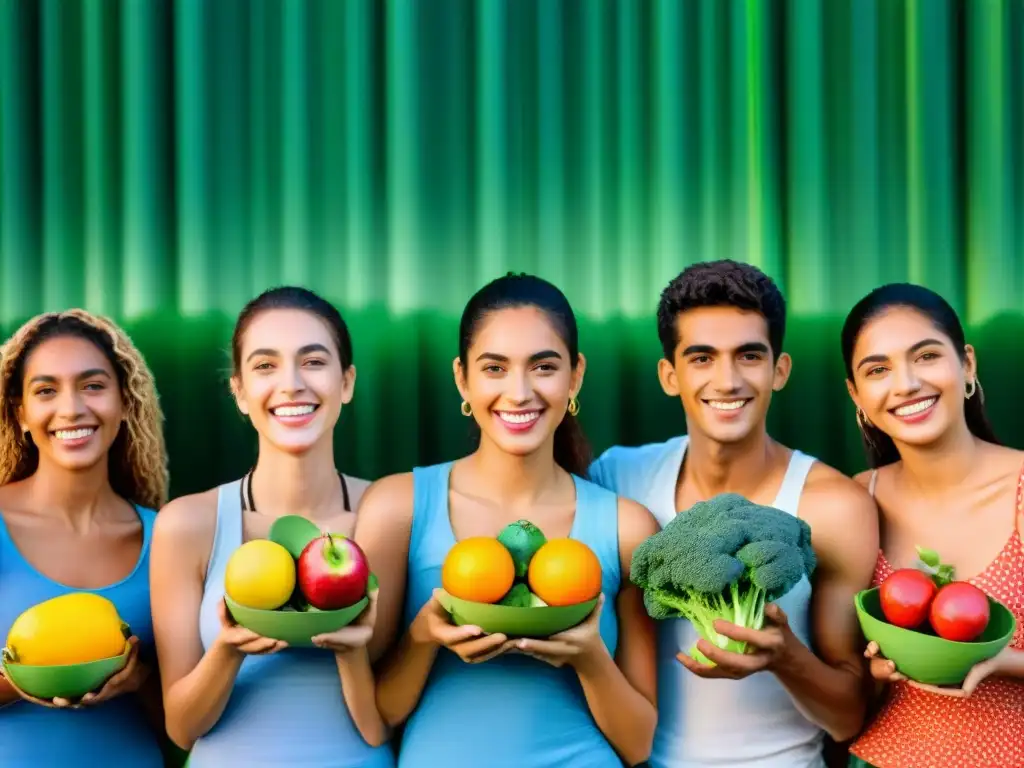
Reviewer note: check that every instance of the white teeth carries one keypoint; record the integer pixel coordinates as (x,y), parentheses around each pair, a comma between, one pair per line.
(518,418)
(294,410)
(910,410)
(73,434)
(724,405)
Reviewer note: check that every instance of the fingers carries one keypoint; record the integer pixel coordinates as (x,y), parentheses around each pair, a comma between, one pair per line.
(872,650)
(884,671)
(701,670)
(450,634)
(768,640)
(347,637)
(547,647)
(733,663)
(57,702)
(487,655)
(260,646)
(775,614)
(480,649)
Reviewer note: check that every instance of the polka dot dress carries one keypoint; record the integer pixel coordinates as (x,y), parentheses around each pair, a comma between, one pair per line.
(920,729)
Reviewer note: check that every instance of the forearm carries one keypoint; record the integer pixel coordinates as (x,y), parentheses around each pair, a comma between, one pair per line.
(402,677)
(624,715)
(359,689)
(834,698)
(195,702)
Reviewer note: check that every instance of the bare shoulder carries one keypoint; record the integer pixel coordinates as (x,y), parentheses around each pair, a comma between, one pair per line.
(388,500)
(843,517)
(187,517)
(356,488)
(185,529)
(636,524)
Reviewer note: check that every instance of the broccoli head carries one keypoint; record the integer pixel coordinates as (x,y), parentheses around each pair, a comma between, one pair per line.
(724,558)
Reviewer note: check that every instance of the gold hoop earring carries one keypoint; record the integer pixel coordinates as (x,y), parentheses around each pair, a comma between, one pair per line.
(574,406)
(863,423)
(466,408)
(973,384)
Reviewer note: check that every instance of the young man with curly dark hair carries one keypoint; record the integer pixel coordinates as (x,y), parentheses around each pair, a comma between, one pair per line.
(722,327)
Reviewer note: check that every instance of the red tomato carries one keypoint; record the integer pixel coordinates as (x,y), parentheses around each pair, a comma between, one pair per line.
(906,596)
(960,611)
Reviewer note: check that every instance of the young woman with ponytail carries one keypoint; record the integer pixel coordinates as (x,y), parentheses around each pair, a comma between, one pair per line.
(584,697)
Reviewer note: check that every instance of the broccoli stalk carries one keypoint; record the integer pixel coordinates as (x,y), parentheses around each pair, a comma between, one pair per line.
(725,558)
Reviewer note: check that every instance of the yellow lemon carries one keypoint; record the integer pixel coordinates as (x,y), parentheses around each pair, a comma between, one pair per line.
(260,574)
(70,629)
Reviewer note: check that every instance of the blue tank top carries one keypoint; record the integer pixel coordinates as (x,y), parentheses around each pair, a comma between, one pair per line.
(510,711)
(33,736)
(286,709)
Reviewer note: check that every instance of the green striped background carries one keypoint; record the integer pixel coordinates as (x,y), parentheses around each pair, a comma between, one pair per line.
(163,162)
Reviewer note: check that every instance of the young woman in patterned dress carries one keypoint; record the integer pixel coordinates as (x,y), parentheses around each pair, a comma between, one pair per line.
(942,481)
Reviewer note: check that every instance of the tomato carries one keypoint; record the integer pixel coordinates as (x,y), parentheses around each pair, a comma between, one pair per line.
(906,596)
(960,611)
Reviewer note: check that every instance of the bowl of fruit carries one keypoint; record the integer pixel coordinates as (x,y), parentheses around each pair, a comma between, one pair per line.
(933,627)
(66,647)
(520,583)
(297,583)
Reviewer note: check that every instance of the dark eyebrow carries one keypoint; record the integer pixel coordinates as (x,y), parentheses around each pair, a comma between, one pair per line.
(83,375)
(913,348)
(543,355)
(707,349)
(264,351)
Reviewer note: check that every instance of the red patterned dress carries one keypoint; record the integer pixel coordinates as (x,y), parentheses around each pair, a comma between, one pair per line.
(921,729)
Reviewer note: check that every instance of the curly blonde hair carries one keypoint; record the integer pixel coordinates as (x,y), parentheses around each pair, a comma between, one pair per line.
(138,460)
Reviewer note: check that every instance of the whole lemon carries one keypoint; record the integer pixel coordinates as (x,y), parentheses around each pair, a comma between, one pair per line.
(260,574)
(69,629)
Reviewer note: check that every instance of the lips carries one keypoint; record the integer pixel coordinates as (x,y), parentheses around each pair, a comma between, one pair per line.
(914,407)
(519,421)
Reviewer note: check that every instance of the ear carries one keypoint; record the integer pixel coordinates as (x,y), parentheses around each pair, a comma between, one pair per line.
(970,363)
(577,375)
(460,378)
(239,394)
(851,390)
(783,367)
(348,384)
(667,377)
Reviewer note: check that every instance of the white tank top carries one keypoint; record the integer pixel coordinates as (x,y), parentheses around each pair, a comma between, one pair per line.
(751,723)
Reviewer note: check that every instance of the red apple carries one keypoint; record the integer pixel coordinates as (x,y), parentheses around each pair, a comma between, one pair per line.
(960,611)
(333,572)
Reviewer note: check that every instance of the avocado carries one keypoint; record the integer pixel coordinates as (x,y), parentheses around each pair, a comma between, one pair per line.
(522,539)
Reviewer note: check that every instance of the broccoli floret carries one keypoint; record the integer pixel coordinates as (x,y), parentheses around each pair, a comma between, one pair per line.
(724,558)
(518,597)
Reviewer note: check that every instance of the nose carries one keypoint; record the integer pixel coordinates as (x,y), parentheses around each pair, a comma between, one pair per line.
(70,404)
(726,378)
(906,382)
(292,380)
(519,388)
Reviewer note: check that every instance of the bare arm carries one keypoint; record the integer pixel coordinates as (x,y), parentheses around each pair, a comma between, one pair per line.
(383,528)
(196,685)
(359,689)
(828,684)
(622,694)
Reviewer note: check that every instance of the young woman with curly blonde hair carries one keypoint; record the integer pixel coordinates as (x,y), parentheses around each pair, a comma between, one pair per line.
(83,466)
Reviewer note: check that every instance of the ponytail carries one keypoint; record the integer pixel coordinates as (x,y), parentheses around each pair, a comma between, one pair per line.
(572,449)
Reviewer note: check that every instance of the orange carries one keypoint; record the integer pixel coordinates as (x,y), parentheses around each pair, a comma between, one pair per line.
(565,572)
(478,569)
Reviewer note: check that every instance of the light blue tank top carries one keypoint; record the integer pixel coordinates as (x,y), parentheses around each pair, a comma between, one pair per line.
(286,709)
(32,736)
(512,711)
(750,723)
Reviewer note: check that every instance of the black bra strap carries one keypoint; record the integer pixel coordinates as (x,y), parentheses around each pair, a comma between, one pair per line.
(248,505)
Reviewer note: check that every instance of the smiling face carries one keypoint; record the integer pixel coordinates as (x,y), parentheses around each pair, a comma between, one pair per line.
(908,379)
(71,402)
(723,372)
(291,383)
(518,379)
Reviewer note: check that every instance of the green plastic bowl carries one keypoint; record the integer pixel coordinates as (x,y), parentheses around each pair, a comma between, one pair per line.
(542,621)
(927,658)
(65,681)
(297,628)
